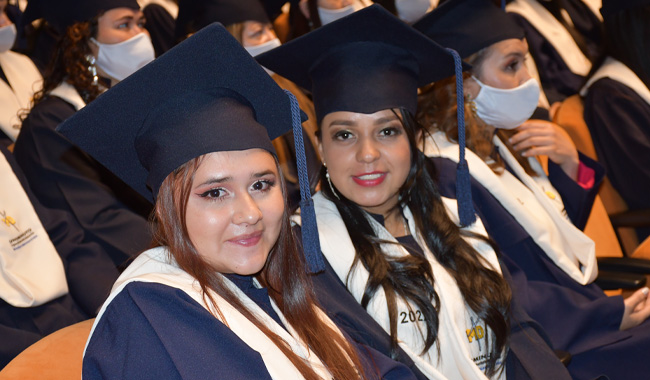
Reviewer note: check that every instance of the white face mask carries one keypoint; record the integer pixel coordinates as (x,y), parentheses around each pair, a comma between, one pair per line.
(507,108)
(7,37)
(412,10)
(263,48)
(330,15)
(123,59)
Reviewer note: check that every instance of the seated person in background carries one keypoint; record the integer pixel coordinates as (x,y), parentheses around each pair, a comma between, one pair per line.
(50,277)
(104,42)
(19,80)
(565,41)
(248,22)
(535,219)
(382,225)
(617,103)
(225,293)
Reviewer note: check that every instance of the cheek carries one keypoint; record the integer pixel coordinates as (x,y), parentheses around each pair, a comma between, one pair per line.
(273,211)
(205,228)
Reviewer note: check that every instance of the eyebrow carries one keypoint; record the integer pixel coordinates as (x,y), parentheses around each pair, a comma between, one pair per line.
(218,180)
(350,123)
(126,18)
(262,174)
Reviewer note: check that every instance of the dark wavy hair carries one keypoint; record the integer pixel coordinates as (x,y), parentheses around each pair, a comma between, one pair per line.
(69,63)
(411,277)
(283,275)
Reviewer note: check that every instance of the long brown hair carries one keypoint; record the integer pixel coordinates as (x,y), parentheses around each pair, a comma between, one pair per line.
(284,275)
(437,112)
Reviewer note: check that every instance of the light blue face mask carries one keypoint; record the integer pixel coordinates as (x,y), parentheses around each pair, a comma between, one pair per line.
(123,59)
(7,37)
(263,48)
(507,108)
(412,10)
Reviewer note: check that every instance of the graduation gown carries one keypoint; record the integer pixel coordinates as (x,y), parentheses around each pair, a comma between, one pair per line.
(90,273)
(579,319)
(619,123)
(156,330)
(529,357)
(65,178)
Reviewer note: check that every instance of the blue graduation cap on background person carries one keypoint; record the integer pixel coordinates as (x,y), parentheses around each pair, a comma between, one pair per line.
(367,62)
(468,26)
(62,13)
(205,95)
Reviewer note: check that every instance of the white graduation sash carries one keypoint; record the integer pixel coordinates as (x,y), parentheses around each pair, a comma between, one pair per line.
(67,92)
(25,80)
(595,6)
(458,324)
(155,266)
(528,201)
(619,72)
(556,34)
(31,271)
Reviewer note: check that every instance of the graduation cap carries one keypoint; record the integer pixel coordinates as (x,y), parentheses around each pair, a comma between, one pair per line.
(205,95)
(367,62)
(611,7)
(193,15)
(468,26)
(63,13)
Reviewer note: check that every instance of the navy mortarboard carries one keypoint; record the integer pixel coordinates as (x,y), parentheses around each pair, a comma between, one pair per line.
(378,62)
(62,13)
(468,26)
(196,14)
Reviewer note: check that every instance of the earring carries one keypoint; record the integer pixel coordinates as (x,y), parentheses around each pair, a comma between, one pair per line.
(471,103)
(92,68)
(329,181)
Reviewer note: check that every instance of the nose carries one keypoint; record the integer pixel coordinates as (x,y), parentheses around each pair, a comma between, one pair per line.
(367,151)
(524,74)
(268,35)
(246,211)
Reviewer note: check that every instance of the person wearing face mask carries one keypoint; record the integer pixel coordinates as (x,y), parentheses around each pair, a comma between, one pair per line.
(617,103)
(19,80)
(104,42)
(248,22)
(408,11)
(307,15)
(535,219)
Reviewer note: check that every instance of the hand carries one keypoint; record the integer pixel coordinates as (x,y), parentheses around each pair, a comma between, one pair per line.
(637,309)
(540,137)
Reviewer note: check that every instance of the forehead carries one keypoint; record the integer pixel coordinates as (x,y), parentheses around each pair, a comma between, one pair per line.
(118,13)
(236,164)
(357,117)
(508,47)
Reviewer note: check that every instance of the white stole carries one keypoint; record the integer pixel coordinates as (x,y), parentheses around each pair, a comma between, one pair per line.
(67,92)
(154,266)
(459,325)
(31,271)
(528,200)
(619,72)
(556,34)
(25,80)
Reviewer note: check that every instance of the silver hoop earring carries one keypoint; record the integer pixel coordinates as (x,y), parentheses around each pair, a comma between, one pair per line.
(329,181)
(92,68)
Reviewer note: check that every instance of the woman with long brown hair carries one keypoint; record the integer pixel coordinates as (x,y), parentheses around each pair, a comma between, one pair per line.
(225,292)
(438,291)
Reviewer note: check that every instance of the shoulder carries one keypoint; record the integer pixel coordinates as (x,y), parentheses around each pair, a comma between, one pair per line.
(49,112)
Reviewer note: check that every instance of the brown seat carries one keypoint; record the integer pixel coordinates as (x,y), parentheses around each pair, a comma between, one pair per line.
(58,356)
(570,116)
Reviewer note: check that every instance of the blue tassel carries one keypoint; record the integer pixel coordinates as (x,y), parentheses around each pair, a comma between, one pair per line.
(503,4)
(310,240)
(463,186)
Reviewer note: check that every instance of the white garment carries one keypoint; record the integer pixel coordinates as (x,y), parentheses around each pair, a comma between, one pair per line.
(68,93)
(457,321)
(25,80)
(31,271)
(595,6)
(155,266)
(529,201)
(619,72)
(556,34)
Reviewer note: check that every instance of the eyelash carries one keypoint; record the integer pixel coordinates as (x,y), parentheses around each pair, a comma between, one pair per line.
(210,194)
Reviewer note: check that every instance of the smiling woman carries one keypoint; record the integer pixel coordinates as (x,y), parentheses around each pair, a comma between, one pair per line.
(225,293)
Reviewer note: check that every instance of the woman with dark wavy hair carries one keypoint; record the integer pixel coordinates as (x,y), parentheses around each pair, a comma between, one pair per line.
(225,293)
(101,43)
(437,290)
